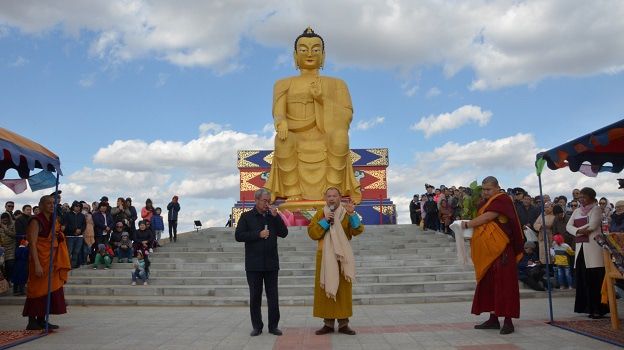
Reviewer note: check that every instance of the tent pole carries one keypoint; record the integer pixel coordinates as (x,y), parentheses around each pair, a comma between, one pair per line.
(51,264)
(546,250)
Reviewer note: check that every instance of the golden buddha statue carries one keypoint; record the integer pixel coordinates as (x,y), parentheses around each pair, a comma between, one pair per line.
(312,114)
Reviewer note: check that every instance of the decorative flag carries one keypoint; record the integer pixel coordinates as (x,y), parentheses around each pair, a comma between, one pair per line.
(17,186)
(587,170)
(41,180)
(539,166)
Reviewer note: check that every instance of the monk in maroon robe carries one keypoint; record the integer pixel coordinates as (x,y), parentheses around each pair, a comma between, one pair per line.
(497,245)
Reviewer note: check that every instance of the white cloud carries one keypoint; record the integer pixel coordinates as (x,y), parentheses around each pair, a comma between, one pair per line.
(226,186)
(214,151)
(457,165)
(19,61)
(434,124)
(505,43)
(162,79)
(268,128)
(433,92)
(367,124)
(410,91)
(87,80)
(563,181)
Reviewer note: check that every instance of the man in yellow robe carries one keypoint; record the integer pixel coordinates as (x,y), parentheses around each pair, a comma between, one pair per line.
(333,226)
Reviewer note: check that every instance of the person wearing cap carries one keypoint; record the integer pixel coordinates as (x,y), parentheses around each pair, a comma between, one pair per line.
(103,256)
(415,210)
(530,271)
(561,252)
(75,225)
(173,209)
(123,247)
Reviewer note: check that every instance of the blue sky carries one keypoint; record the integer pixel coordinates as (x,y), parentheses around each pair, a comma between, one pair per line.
(143,98)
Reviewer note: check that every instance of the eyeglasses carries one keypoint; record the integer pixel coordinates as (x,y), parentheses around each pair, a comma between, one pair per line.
(574,205)
(602,203)
(10,206)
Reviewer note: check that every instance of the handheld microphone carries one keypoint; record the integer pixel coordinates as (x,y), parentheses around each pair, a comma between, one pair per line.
(332,209)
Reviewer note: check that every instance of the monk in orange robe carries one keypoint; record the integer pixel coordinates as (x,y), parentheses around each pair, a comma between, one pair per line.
(497,245)
(39,235)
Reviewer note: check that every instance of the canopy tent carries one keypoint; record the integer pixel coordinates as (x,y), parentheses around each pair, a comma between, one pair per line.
(25,155)
(588,154)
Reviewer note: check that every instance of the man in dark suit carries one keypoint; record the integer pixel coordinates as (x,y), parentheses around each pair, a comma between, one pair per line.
(259,229)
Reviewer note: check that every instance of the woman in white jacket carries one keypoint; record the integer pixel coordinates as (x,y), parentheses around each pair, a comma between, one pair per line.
(585,224)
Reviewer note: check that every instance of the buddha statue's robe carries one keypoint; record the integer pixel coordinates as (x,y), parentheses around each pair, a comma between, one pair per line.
(315,154)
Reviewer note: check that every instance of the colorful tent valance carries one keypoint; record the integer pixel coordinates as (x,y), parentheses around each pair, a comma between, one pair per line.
(595,149)
(24,155)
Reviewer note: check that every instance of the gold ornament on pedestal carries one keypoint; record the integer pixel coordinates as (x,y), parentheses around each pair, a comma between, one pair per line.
(312,115)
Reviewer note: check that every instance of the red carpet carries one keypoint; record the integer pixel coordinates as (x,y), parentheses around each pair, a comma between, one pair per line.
(8,338)
(597,329)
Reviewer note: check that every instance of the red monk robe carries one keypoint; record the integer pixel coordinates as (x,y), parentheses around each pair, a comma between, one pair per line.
(496,248)
(36,298)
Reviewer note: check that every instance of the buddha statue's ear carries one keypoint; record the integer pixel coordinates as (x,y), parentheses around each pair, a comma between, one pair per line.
(295,59)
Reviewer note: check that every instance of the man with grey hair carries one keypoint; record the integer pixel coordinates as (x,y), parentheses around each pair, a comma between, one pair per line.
(259,229)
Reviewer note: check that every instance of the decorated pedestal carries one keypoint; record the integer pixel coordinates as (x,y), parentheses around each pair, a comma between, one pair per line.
(369,165)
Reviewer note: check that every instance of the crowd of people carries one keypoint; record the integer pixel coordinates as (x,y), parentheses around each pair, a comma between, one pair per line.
(96,234)
(570,226)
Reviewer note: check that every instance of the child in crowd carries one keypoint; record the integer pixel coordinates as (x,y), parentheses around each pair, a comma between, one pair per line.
(124,249)
(104,256)
(561,251)
(20,272)
(157,225)
(141,268)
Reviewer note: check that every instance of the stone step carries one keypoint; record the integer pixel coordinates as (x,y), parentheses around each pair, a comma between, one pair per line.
(122,290)
(230,266)
(123,272)
(234,246)
(241,280)
(363,299)
(291,258)
(308,250)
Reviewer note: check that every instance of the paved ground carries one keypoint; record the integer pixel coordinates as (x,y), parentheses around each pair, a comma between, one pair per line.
(415,326)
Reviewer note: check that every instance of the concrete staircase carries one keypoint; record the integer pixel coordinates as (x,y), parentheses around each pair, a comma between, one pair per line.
(395,264)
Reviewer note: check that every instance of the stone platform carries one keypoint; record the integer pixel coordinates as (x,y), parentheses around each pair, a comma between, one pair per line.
(395,264)
(439,326)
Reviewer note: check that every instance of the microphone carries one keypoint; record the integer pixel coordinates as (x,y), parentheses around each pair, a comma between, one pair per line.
(332,209)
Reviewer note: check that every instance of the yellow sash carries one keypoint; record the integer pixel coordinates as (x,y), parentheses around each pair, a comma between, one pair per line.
(487,244)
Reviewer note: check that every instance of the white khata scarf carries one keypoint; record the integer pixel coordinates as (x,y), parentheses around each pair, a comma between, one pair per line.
(336,252)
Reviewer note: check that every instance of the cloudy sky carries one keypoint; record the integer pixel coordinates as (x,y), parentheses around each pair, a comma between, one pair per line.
(153,98)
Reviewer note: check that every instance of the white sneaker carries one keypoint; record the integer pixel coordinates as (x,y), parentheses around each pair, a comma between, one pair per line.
(95,268)
(106,268)
(145,283)
(134,283)
(151,250)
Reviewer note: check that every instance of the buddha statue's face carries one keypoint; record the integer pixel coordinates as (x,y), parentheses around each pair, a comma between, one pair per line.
(309,53)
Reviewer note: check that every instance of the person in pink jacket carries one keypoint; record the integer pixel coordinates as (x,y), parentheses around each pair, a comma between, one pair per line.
(148,210)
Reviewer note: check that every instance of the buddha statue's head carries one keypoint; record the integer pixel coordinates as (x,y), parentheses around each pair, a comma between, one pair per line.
(309,50)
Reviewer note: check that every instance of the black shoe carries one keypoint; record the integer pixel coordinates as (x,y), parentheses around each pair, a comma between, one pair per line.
(50,325)
(255,332)
(488,325)
(275,331)
(33,326)
(324,330)
(346,330)
(507,329)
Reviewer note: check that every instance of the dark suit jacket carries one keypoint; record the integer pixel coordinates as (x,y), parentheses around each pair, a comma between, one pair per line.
(98,223)
(260,254)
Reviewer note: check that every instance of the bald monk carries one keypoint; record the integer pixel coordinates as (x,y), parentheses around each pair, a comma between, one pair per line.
(497,245)
(333,226)
(39,235)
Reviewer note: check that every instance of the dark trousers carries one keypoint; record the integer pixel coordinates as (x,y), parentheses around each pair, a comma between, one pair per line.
(173,230)
(255,279)
(588,286)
